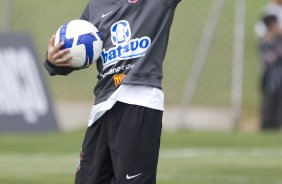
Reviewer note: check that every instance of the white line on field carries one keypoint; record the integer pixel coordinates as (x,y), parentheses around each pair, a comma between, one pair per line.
(224,152)
(166,153)
(65,164)
(201,177)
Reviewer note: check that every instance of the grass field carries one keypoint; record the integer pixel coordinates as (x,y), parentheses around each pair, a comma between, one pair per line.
(186,158)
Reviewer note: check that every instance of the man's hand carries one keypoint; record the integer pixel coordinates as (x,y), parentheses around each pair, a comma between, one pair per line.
(58,57)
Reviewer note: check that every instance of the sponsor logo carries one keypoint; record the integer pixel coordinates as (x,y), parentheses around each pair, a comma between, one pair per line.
(118,79)
(133,1)
(105,15)
(117,70)
(131,177)
(124,48)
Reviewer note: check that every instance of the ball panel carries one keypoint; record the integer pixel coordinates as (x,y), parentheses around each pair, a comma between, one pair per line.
(78,56)
(80,27)
(57,39)
(98,47)
(63,37)
(87,40)
(83,39)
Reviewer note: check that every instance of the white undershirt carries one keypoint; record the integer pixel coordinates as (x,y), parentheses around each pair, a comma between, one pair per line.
(145,96)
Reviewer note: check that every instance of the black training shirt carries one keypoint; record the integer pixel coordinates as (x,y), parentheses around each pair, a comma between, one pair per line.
(136,34)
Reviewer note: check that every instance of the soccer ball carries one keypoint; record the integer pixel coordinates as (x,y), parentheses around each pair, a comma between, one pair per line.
(84,41)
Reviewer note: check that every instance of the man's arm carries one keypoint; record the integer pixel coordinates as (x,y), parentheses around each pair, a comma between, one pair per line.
(58,61)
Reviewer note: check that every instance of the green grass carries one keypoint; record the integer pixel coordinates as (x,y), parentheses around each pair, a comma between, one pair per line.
(186,158)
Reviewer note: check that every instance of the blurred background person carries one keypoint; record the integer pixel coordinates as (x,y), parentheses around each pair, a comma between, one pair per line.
(271,55)
(274,7)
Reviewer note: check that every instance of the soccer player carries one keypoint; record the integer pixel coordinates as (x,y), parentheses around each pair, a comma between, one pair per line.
(121,145)
(271,54)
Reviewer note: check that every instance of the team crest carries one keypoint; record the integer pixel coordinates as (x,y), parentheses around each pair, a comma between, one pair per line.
(121,33)
(118,79)
(133,1)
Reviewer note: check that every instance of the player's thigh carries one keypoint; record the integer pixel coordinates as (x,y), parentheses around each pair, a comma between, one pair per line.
(134,144)
(95,160)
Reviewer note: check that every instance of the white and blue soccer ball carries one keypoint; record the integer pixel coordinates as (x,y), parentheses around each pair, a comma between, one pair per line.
(84,41)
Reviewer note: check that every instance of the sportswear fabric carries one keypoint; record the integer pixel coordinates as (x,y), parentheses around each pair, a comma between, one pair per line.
(271,56)
(135,35)
(271,111)
(122,147)
(145,96)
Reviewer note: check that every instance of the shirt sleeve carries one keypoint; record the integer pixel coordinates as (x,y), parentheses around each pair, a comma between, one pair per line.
(85,15)
(171,3)
(57,70)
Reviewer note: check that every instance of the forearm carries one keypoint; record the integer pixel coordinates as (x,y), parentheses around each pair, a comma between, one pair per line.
(57,70)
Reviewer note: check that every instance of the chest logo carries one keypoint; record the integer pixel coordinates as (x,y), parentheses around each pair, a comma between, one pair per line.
(125,47)
(105,15)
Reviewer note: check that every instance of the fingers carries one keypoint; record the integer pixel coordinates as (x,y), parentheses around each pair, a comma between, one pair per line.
(61,58)
(65,61)
(59,46)
(57,56)
(52,41)
(65,65)
(61,54)
(68,64)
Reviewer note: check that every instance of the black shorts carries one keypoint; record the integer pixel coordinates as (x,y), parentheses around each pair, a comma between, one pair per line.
(122,147)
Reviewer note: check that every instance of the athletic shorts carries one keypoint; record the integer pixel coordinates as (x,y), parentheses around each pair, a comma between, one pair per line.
(122,147)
